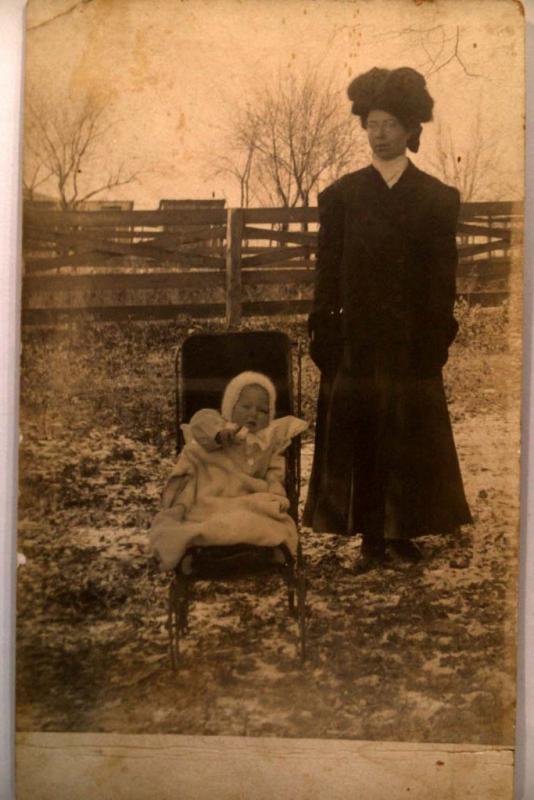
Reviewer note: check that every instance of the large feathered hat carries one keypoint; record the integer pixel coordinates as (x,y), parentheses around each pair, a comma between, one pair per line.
(401,92)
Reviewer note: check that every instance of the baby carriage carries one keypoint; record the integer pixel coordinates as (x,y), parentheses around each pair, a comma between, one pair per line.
(204,365)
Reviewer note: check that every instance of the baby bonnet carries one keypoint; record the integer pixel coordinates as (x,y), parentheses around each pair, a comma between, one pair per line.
(236,386)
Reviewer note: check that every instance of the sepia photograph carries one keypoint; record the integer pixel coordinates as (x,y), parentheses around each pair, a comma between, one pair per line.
(270,378)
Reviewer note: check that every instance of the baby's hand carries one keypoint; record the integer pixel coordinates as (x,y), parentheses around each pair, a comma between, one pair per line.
(226,437)
(284,503)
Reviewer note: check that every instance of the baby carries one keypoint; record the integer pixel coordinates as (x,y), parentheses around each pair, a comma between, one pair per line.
(228,484)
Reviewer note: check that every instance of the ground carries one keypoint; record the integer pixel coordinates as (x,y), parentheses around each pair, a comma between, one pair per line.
(422,652)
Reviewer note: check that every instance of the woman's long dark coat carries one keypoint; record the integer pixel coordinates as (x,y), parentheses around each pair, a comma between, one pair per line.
(381,327)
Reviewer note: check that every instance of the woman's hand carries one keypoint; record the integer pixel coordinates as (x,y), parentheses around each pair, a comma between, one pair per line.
(326,340)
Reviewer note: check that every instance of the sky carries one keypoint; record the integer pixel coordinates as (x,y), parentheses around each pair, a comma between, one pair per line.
(176,70)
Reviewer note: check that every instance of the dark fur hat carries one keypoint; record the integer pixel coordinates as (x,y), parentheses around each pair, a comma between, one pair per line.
(401,92)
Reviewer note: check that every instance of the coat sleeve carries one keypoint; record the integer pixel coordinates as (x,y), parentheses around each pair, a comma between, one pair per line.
(205,425)
(324,323)
(329,251)
(442,327)
(276,474)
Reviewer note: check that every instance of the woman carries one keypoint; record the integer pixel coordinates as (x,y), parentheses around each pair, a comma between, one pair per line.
(385,463)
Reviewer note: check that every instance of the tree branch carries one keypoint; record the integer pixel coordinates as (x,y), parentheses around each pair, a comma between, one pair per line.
(421,37)
(111,183)
(61,14)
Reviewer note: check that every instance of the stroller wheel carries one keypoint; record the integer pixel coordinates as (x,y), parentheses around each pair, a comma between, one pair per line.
(301,615)
(177,620)
(173,626)
(291,602)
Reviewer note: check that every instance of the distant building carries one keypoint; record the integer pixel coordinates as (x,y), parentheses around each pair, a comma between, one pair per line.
(169,205)
(106,205)
(43,201)
(40,200)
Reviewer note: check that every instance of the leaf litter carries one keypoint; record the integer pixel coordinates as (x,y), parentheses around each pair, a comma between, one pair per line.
(420,652)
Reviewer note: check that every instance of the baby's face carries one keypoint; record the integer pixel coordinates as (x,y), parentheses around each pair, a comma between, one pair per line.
(252,408)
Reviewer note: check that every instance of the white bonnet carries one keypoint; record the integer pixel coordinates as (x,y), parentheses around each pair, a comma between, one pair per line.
(236,386)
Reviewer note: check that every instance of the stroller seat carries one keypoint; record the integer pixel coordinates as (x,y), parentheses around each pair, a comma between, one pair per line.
(205,363)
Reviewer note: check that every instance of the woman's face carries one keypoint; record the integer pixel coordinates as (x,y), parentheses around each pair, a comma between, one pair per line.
(387,136)
(252,408)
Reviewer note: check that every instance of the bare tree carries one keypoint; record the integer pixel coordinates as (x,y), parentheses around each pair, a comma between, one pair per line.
(237,165)
(65,148)
(290,139)
(472,164)
(36,169)
(435,47)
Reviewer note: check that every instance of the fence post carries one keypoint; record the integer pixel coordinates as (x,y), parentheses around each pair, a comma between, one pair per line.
(234,236)
(489,238)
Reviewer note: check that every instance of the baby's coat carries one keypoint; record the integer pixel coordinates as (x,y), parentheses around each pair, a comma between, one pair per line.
(227,496)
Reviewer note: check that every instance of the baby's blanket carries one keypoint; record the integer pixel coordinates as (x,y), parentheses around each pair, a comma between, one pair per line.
(226,497)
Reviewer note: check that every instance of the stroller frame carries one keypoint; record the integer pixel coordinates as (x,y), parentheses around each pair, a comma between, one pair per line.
(234,562)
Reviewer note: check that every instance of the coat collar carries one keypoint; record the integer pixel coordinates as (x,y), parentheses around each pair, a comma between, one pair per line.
(390,197)
(390,169)
(368,195)
(409,175)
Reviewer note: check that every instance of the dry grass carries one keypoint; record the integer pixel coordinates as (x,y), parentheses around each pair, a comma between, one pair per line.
(411,653)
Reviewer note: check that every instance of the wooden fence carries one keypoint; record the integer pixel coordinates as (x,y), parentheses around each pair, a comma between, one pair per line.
(215,262)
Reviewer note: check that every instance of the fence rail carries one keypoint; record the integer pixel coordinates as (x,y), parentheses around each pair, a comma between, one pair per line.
(216,262)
